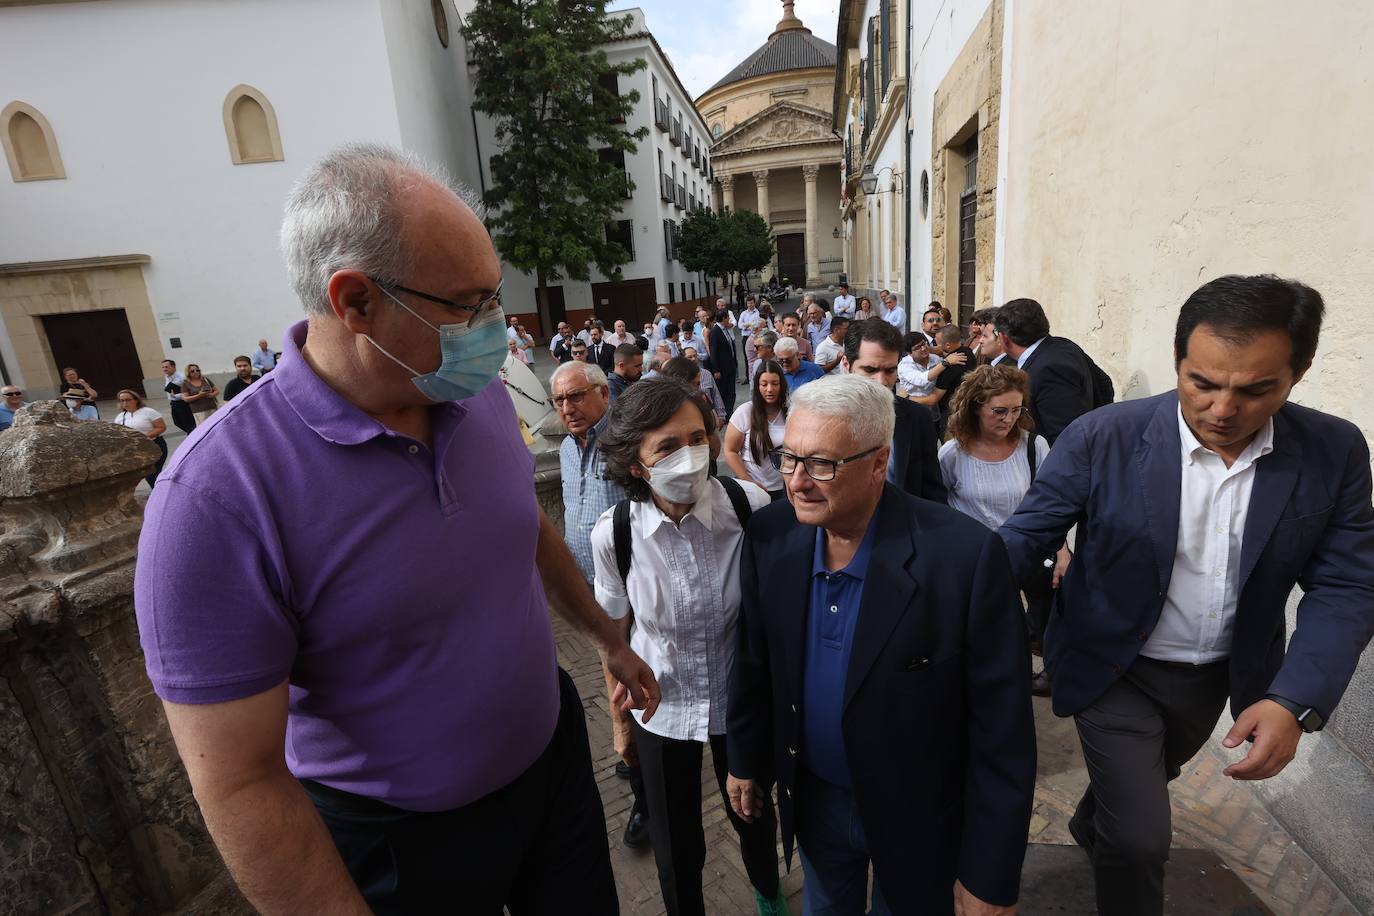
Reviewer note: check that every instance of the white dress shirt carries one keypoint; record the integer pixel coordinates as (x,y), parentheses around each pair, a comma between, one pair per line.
(684,590)
(845,305)
(895,316)
(1199,613)
(915,379)
(1026,354)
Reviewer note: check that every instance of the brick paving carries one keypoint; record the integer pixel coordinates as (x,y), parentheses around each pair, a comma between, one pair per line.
(1210,812)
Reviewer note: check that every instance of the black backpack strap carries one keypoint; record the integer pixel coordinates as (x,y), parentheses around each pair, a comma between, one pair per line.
(620,534)
(738,499)
(1030,453)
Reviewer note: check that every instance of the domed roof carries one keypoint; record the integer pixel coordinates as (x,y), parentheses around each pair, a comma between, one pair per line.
(790,47)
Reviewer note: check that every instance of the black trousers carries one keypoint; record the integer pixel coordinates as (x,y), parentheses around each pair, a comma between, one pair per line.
(538,845)
(726,384)
(672,786)
(1136,738)
(157,468)
(182,417)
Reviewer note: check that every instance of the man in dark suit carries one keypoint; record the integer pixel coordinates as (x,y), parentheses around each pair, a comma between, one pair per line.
(1198,510)
(1065,382)
(721,356)
(879,677)
(601,352)
(872,350)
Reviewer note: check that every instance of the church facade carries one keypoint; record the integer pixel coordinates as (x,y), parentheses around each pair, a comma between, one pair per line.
(774,149)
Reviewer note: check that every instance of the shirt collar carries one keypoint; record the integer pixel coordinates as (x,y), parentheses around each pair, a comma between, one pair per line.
(324,410)
(857,567)
(1261,445)
(1021,360)
(651,517)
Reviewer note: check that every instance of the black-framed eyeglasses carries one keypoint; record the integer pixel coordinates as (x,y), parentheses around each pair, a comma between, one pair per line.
(473,310)
(818,469)
(574,397)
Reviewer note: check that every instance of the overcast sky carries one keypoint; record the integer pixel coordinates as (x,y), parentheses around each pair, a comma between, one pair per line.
(705,39)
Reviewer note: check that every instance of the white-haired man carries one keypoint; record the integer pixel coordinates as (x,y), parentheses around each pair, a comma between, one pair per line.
(796,370)
(371,661)
(894,720)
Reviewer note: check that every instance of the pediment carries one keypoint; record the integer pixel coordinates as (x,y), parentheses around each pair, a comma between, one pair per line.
(781,124)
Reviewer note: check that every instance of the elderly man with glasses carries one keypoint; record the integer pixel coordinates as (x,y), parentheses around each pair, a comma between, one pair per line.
(363,685)
(11,399)
(879,677)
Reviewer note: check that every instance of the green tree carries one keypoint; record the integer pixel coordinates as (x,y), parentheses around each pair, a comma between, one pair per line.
(543,78)
(725,244)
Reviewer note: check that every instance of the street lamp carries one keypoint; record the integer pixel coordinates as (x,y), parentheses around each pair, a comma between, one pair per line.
(868,181)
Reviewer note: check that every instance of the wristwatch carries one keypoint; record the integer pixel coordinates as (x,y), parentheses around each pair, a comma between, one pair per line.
(1308,718)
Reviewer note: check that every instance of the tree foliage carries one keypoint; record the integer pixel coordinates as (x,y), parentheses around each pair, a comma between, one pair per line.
(723,244)
(539,71)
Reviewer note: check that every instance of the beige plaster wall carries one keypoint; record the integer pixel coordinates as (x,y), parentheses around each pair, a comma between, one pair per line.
(1152,147)
(741,101)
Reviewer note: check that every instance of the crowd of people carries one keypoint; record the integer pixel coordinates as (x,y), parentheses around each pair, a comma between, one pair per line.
(191,398)
(364,688)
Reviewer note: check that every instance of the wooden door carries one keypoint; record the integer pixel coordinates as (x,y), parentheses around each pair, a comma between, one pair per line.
(792,258)
(99,345)
(632,301)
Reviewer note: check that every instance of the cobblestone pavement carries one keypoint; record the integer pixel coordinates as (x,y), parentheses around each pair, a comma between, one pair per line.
(1210,811)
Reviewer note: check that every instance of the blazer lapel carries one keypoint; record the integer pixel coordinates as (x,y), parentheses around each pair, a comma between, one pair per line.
(1161,482)
(901,443)
(1276,474)
(889,588)
(792,597)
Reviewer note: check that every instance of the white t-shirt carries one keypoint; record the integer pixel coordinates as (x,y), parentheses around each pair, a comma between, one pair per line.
(827,351)
(765,475)
(141,419)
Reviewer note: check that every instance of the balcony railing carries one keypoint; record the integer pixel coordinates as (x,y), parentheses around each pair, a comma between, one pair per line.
(665,188)
(682,197)
(660,114)
(675,133)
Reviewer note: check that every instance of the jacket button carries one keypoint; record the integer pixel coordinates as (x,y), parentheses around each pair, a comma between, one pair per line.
(789,792)
(1142,636)
(792,751)
(794,708)
(1116,669)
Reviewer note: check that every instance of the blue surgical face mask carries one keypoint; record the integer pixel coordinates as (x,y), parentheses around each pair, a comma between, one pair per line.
(471,355)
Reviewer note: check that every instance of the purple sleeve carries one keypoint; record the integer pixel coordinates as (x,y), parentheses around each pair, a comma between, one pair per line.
(210,614)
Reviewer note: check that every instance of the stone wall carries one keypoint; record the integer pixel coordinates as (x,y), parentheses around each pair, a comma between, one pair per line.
(98,815)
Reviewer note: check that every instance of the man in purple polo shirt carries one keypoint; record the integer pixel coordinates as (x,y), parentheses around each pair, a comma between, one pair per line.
(371,660)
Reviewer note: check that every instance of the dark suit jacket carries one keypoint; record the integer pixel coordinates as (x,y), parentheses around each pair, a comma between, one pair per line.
(1117,474)
(606,360)
(915,454)
(1061,385)
(937,721)
(722,356)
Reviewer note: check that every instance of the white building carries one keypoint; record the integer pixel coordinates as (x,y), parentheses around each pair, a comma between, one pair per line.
(675,153)
(150,146)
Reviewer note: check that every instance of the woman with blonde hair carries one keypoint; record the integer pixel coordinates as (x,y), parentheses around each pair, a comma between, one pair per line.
(988,465)
(199,393)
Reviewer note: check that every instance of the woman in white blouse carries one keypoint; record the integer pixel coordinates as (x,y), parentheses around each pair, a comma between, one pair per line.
(756,428)
(136,415)
(685,532)
(988,465)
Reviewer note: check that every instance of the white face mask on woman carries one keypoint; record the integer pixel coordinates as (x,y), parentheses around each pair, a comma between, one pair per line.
(681,477)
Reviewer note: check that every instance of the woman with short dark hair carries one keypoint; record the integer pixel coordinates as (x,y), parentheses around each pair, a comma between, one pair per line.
(683,534)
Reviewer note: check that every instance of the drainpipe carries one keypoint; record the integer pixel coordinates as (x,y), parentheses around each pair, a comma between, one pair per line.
(906,174)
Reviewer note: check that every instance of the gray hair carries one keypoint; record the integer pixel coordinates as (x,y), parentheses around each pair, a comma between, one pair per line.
(346,213)
(720,303)
(864,406)
(808,298)
(765,338)
(949,334)
(785,346)
(591,373)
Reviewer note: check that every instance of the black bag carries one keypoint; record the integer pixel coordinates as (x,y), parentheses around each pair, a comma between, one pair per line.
(620,523)
(1040,584)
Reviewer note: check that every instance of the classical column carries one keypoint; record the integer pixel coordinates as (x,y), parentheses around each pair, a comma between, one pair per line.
(727,191)
(813,258)
(761,182)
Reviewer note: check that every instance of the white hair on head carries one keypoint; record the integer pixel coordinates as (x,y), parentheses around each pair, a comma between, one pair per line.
(808,298)
(346,213)
(720,302)
(786,346)
(865,407)
(591,373)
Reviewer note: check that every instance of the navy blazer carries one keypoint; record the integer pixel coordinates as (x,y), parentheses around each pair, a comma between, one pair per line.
(937,723)
(916,452)
(1117,473)
(1062,386)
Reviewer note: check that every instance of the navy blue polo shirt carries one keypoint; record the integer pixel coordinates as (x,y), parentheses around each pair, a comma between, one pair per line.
(832,617)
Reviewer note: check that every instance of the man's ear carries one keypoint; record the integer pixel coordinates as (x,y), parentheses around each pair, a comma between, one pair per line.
(844,363)
(352,296)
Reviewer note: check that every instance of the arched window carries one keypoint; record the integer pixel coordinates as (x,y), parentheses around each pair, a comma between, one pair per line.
(30,146)
(251,125)
(717,129)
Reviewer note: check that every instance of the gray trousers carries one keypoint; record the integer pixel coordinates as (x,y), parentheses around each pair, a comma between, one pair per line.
(1136,738)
